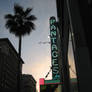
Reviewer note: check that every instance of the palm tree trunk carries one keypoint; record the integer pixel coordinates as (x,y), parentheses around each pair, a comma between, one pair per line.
(19,71)
(20,41)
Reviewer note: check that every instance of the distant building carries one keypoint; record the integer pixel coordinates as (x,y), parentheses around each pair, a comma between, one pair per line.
(28,83)
(9,70)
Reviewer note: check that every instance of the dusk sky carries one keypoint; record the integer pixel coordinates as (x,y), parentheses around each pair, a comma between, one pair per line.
(36,56)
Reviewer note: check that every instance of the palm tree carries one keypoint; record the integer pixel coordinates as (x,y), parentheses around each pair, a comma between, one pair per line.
(21,23)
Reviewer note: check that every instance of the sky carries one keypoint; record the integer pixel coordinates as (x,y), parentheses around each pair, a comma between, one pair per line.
(36,56)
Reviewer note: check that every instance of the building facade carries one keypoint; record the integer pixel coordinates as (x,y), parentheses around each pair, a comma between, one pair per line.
(9,67)
(28,83)
(76,16)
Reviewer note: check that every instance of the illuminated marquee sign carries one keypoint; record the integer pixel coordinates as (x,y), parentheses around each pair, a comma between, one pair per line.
(49,85)
(55,85)
(54,49)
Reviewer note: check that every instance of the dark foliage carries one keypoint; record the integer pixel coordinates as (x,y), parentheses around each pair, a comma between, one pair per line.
(21,23)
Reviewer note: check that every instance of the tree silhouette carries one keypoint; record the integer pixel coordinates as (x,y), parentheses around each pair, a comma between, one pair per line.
(21,23)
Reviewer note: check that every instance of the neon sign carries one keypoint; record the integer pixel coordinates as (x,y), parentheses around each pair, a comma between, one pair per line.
(54,49)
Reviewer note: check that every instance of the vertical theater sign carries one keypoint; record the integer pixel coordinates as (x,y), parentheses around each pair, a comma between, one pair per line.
(54,85)
(54,49)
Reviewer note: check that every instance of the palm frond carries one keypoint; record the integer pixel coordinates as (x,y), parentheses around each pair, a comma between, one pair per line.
(25,30)
(18,9)
(10,23)
(31,18)
(30,24)
(27,11)
(9,16)
(15,30)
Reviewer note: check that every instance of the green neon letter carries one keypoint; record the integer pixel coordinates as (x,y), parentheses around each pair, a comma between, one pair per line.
(54,62)
(53,27)
(53,40)
(53,33)
(52,21)
(54,54)
(54,47)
